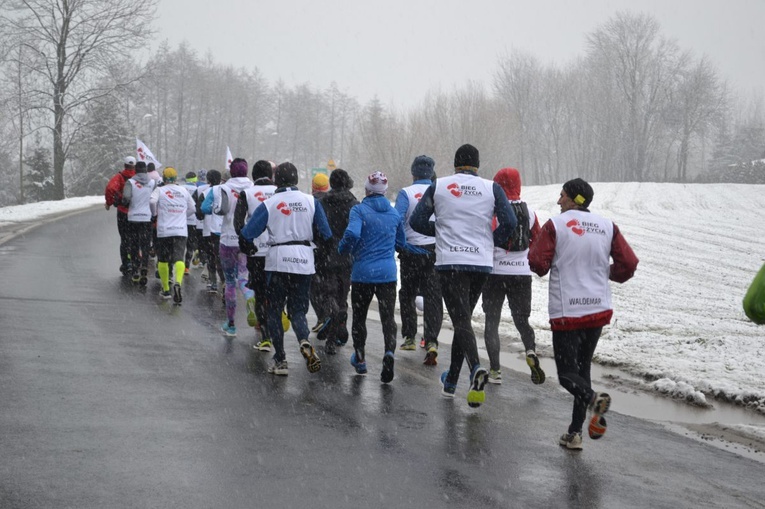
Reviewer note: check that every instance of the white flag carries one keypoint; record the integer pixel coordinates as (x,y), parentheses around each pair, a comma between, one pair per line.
(229,159)
(145,155)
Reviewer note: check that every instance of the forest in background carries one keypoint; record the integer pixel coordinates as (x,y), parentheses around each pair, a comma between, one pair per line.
(634,107)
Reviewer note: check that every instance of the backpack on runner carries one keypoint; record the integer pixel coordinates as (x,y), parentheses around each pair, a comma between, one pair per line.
(519,240)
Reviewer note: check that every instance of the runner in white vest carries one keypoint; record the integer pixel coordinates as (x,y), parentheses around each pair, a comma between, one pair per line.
(192,243)
(232,260)
(418,276)
(464,205)
(172,205)
(290,217)
(263,189)
(136,195)
(511,279)
(577,247)
(211,226)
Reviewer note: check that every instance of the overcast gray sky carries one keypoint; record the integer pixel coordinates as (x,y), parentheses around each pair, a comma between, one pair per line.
(401,49)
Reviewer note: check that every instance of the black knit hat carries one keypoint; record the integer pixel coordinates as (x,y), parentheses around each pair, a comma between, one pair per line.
(466,155)
(213,177)
(340,180)
(286,175)
(579,191)
(262,169)
(422,167)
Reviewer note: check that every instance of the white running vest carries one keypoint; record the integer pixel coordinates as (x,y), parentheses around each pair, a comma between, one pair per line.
(290,218)
(173,206)
(212,222)
(580,267)
(139,210)
(413,194)
(192,219)
(256,195)
(233,188)
(514,263)
(201,194)
(464,209)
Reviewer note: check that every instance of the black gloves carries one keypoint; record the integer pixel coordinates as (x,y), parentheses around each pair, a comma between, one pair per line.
(247,246)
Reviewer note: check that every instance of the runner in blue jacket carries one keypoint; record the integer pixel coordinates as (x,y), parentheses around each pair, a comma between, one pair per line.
(374,231)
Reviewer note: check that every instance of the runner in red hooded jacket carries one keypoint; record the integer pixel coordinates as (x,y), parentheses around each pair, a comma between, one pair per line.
(511,279)
(113,196)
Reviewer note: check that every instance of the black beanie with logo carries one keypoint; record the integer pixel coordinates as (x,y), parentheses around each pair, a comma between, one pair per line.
(579,191)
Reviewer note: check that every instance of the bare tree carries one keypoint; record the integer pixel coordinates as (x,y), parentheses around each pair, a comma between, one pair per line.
(629,55)
(74,43)
(699,100)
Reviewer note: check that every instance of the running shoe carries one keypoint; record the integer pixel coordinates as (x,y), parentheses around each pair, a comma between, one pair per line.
(136,277)
(360,366)
(186,271)
(252,318)
(572,441)
(278,368)
(330,347)
(449,388)
(143,279)
(321,335)
(537,375)
(320,325)
(212,288)
(476,395)
(263,346)
(600,404)
(228,330)
(311,359)
(165,294)
(408,344)
(177,297)
(431,356)
(597,427)
(422,342)
(495,376)
(387,371)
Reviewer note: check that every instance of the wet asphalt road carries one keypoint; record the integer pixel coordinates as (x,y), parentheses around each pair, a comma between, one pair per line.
(111,398)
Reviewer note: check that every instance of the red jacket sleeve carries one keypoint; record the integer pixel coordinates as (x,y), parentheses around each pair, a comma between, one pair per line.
(534,232)
(625,261)
(113,192)
(542,250)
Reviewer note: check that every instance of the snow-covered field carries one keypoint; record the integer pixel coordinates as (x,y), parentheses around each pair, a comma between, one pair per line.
(679,323)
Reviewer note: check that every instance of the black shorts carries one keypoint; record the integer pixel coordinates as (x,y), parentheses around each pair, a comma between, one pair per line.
(170,249)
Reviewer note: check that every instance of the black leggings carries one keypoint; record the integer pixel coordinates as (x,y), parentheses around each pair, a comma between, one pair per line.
(461,290)
(211,245)
(256,268)
(418,277)
(139,242)
(517,289)
(573,357)
(361,297)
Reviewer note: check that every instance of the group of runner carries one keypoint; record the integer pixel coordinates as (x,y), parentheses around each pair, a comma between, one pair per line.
(458,237)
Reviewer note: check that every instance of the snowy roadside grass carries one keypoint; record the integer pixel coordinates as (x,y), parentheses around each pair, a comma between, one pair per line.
(32,211)
(678,323)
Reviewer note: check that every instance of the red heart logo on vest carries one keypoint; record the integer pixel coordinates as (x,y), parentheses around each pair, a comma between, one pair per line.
(284,209)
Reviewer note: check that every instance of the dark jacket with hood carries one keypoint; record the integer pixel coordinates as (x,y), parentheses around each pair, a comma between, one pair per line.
(337,205)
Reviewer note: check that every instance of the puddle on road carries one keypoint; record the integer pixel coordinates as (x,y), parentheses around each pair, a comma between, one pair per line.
(644,404)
